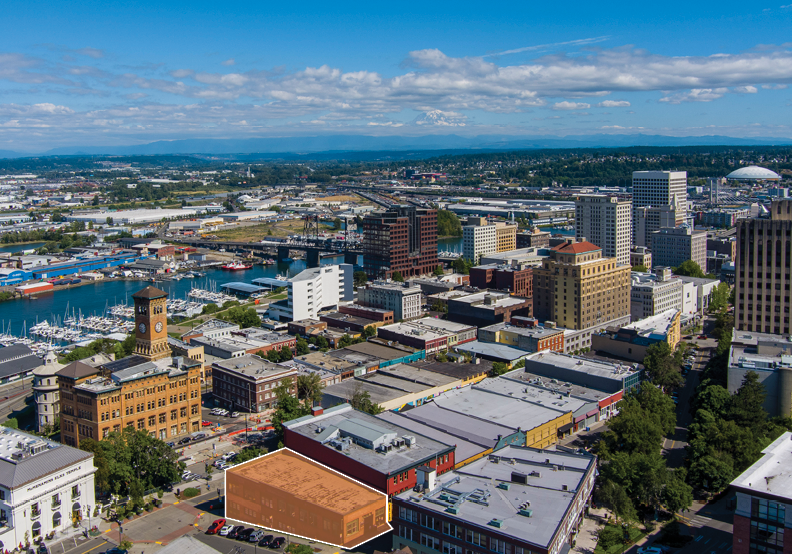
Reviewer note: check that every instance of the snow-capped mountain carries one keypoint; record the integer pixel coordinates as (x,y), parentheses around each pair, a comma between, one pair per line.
(439,118)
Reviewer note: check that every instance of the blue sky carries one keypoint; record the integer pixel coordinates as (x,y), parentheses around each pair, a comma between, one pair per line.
(92,73)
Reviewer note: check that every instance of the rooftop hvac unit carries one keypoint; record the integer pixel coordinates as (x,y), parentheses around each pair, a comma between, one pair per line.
(564,487)
(496,523)
(526,513)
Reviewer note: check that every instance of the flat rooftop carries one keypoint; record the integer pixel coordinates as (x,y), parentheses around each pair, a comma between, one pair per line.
(493,350)
(563,387)
(253,367)
(535,395)
(581,364)
(308,481)
(760,351)
(656,324)
(552,480)
(772,474)
(26,458)
(495,299)
(364,433)
(535,332)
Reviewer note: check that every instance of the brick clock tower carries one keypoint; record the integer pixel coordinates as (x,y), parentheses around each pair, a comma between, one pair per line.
(151,324)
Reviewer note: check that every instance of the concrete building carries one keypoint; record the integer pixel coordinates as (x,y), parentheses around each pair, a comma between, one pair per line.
(518,505)
(632,341)
(533,238)
(641,255)
(653,293)
(429,334)
(486,308)
(658,188)
(531,339)
(402,299)
(45,392)
(44,487)
(770,357)
(211,329)
(522,256)
(704,289)
(247,383)
(381,454)
(607,222)
(401,238)
(723,218)
(604,376)
(650,219)
(313,290)
(578,288)
(478,239)
(763,273)
(517,280)
(673,245)
(763,513)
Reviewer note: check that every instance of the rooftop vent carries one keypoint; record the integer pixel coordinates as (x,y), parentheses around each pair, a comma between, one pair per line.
(496,523)
(526,512)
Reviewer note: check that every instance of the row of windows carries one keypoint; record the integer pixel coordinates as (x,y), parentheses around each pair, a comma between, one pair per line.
(471,537)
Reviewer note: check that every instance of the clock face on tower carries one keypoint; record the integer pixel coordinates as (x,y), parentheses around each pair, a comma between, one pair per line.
(158,327)
(142,327)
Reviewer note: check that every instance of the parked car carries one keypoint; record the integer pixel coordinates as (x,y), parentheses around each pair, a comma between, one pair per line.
(650,550)
(185,440)
(228,455)
(256,536)
(244,535)
(702,337)
(116,550)
(216,526)
(205,423)
(277,543)
(199,437)
(266,540)
(235,531)
(225,530)
(235,414)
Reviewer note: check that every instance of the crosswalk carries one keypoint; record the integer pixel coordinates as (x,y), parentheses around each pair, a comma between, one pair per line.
(698,521)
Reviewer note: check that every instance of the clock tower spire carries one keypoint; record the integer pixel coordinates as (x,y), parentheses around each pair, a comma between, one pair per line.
(151,324)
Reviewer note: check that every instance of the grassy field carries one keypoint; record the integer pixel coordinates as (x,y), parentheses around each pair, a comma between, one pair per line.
(253,233)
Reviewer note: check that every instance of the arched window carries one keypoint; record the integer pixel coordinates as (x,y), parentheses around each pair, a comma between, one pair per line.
(56,520)
(36,529)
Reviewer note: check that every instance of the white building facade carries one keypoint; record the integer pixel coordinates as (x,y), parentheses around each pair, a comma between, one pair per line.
(607,222)
(402,298)
(653,294)
(313,290)
(479,240)
(45,486)
(45,392)
(659,188)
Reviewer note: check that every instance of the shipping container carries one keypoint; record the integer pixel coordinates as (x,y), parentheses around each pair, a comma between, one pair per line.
(33,288)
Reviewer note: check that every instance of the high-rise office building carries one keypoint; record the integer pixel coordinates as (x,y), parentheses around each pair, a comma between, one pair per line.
(763,273)
(607,222)
(401,238)
(481,238)
(658,188)
(579,288)
(650,219)
(673,245)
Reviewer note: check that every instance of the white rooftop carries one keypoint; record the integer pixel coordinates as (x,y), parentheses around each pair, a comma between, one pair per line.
(772,474)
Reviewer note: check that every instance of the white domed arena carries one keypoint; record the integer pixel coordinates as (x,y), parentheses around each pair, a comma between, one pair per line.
(753,173)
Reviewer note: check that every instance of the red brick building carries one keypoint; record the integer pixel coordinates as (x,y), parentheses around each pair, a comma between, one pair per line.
(403,239)
(371,450)
(517,280)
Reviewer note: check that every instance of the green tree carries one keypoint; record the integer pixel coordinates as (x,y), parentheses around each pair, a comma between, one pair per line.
(302,347)
(677,494)
(689,268)
(109,220)
(309,388)
(616,498)
(640,268)
(438,271)
(661,366)
(448,224)
(499,368)
(360,278)
(243,316)
(711,473)
(337,224)
(249,453)
(288,406)
(369,331)
(461,265)
(747,405)
(720,297)
(397,277)
(361,400)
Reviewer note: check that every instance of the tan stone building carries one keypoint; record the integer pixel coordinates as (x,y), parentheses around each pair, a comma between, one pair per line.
(578,288)
(505,237)
(763,271)
(148,391)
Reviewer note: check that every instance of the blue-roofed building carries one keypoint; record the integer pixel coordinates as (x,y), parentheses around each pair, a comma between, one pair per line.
(242,289)
(12,276)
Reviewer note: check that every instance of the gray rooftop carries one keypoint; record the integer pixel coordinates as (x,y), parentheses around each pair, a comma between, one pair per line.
(251,366)
(358,435)
(553,478)
(772,474)
(36,458)
(493,350)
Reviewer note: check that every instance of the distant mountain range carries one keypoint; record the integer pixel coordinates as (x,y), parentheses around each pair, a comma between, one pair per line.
(302,146)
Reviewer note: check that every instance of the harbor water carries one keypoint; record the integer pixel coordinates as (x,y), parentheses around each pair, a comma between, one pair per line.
(19,315)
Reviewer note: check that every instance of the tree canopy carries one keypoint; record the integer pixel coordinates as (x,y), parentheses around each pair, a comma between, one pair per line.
(689,268)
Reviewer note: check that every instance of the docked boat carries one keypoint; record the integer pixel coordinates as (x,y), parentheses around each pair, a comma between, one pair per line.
(236,266)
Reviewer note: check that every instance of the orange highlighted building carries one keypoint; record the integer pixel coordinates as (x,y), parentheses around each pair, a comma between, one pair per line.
(287,492)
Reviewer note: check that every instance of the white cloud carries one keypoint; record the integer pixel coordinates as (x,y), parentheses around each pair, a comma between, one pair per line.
(94,53)
(229,61)
(748,89)
(613,104)
(774,87)
(696,95)
(541,47)
(571,106)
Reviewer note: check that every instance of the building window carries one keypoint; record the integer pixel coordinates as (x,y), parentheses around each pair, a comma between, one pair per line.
(767,510)
(476,538)
(352,527)
(499,546)
(430,542)
(173,431)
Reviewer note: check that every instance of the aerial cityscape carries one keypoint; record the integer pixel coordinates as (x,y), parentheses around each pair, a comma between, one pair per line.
(452,279)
